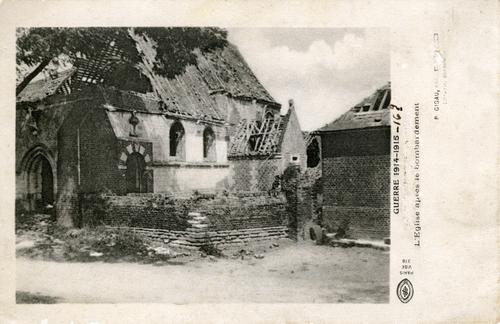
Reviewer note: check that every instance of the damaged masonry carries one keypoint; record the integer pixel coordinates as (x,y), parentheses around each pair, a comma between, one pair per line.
(204,151)
(146,147)
(211,129)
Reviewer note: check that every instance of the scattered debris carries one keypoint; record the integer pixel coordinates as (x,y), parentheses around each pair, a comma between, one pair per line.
(346,243)
(25,245)
(211,249)
(74,232)
(162,250)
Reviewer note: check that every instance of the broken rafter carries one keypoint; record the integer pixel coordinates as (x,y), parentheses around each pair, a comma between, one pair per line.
(255,138)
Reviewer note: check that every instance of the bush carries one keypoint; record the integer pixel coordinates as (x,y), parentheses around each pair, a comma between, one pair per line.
(96,215)
(121,243)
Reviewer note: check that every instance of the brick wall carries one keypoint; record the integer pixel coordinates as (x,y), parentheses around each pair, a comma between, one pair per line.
(358,222)
(356,195)
(153,211)
(67,163)
(224,219)
(229,213)
(99,154)
(254,174)
(356,182)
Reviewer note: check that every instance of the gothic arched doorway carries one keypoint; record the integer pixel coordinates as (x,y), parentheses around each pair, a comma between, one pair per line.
(40,183)
(136,180)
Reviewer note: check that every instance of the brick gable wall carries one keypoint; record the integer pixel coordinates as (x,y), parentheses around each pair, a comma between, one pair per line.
(356,183)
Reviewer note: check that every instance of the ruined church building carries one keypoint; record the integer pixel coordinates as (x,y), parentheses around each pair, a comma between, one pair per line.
(212,128)
(211,131)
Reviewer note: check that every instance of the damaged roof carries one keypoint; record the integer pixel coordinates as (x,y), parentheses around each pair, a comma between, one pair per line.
(41,89)
(219,71)
(192,93)
(372,111)
(259,138)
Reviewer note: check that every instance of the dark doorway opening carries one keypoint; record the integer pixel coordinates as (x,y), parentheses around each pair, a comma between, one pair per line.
(40,184)
(136,180)
(313,154)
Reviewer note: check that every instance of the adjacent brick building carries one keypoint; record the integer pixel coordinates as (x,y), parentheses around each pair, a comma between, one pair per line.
(355,161)
(76,135)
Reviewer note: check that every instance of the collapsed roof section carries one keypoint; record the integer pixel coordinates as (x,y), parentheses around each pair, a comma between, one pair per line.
(40,89)
(308,137)
(373,111)
(219,71)
(192,93)
(255,138)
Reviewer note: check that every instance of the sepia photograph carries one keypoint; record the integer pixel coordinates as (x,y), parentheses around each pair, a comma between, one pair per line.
(202,165)
(214,161)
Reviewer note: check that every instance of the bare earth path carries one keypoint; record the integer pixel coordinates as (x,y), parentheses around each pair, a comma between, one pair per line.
(300,273)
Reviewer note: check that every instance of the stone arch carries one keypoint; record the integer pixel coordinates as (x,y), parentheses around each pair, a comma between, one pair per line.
(135,164)
(38,185)
(130,149)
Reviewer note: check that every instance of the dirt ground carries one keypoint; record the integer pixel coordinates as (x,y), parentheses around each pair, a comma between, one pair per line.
(288,273)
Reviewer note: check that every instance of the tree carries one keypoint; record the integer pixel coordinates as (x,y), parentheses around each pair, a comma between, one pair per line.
(36,47)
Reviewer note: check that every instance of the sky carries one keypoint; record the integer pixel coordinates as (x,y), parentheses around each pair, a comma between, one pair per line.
(324,71)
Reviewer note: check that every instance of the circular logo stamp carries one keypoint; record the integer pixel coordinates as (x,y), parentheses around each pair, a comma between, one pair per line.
(405,291)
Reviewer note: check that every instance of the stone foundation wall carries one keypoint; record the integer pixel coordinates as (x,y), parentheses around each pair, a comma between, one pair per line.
(198,238)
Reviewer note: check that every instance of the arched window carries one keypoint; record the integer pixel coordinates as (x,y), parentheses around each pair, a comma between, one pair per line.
(136,181)
(209,144)
(176,140)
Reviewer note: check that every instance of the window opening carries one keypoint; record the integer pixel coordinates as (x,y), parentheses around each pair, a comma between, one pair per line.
(176,140)
(209,144)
